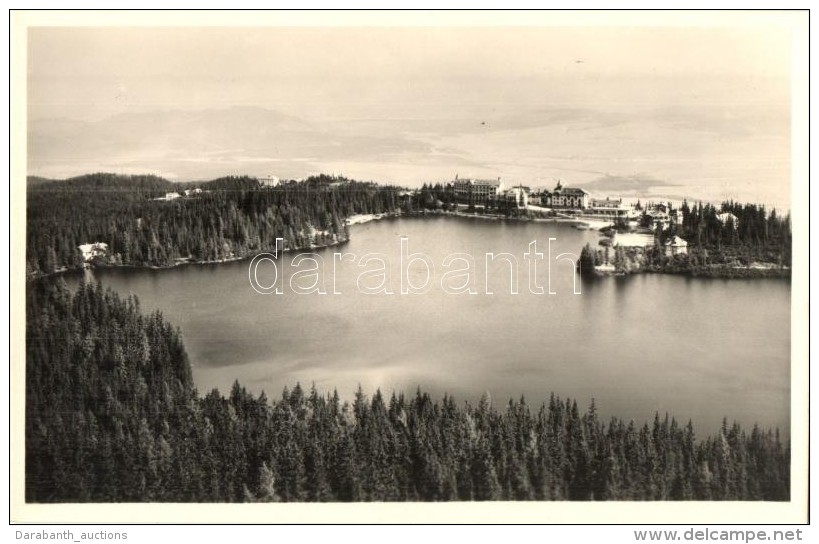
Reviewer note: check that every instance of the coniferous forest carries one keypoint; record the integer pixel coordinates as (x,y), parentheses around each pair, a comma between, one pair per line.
(230,218)
(757,244)
(112,415)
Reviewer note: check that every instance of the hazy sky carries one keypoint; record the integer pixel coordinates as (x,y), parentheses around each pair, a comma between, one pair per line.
(677,111)
(94,72)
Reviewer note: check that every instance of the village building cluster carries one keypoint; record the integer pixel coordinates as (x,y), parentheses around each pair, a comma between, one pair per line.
(566,199)
(578,203)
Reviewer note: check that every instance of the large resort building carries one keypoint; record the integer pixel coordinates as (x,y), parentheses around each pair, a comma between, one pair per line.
(476,190)
(480,191)
(574,199)
(566,197)
(609,209)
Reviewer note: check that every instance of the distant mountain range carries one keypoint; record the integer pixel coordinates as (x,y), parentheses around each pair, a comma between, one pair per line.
(646,155)
(199,144)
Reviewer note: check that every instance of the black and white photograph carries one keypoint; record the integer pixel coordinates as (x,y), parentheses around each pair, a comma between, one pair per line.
(540,260)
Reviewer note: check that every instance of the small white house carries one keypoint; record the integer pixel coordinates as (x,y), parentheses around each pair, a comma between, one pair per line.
(97,249)
(676,246)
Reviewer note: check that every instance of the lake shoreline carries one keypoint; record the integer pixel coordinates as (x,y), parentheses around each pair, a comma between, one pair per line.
(715,272)
(591,225)
(440,341)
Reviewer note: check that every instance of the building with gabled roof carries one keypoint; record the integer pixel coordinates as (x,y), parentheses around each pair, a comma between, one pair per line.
(676,246)
(727,217)
(567,197)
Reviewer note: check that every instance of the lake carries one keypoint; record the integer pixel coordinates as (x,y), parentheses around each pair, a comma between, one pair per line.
(697,349)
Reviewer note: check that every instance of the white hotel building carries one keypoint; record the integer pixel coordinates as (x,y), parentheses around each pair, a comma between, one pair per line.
(476,191)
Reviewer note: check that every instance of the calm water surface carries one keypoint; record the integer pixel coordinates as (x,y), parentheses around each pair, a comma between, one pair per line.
(697,349)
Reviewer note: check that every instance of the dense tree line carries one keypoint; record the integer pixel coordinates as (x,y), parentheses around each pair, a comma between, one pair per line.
(756,235)
(112,415)
(431,196)
(233,218)
(731,246)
